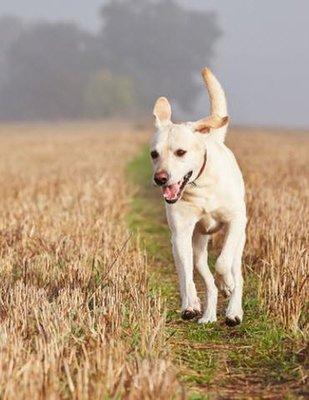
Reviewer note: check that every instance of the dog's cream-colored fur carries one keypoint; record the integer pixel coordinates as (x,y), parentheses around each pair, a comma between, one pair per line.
(194,155)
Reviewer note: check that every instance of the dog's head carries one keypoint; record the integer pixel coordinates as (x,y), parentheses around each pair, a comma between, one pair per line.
(178,150)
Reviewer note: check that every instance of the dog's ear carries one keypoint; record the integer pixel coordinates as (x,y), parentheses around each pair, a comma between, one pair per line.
(162,111)
(213,122)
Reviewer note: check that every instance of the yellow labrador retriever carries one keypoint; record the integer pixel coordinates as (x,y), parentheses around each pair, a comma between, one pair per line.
(203,189)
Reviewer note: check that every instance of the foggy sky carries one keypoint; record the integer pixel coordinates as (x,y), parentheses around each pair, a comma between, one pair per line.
(262,59)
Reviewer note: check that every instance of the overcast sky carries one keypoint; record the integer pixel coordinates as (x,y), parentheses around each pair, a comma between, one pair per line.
(262,58)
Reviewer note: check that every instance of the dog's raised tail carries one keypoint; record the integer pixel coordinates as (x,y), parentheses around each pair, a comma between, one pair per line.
(218,105)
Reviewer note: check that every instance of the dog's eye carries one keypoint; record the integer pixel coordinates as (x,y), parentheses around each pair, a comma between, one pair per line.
(154,154)
(180,152)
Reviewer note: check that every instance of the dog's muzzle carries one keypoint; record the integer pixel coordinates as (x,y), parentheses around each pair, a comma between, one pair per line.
(172,193)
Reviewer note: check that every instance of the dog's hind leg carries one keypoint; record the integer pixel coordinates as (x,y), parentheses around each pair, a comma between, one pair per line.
(234,312)
(224,264)
(200,243)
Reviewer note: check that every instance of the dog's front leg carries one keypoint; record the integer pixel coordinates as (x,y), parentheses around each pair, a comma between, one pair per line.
(183,257)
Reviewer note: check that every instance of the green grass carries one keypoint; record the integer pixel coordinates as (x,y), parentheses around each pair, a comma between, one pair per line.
(257,353)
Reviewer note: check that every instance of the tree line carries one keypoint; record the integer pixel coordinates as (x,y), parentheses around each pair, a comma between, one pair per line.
(143,49)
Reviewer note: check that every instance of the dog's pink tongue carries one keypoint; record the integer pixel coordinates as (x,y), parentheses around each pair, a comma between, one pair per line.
(170,192)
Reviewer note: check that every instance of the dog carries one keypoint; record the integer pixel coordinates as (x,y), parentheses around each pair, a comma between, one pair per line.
(203,189)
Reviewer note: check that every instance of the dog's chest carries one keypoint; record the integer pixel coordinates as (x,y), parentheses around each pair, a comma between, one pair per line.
(208,206)
(207,203)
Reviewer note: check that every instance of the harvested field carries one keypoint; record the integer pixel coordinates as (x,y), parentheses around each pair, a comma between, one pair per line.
(85,310)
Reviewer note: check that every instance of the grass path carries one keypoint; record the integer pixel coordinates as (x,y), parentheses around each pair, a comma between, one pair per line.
(254,360)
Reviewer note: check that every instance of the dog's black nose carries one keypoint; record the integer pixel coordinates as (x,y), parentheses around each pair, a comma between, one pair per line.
(161,178)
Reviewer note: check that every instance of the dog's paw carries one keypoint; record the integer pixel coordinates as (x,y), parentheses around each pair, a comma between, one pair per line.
(233,320)
(190,313)
(210,315)
(207,319)
(225,283)
(234,314)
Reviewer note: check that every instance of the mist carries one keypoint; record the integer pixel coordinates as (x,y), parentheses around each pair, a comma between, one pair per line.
(259,51)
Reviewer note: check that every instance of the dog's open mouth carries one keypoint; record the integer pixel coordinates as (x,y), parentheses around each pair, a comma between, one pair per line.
(172,193)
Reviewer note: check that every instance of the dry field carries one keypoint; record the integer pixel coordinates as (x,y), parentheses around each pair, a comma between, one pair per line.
(276,170)
(74,288)
(77,319)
